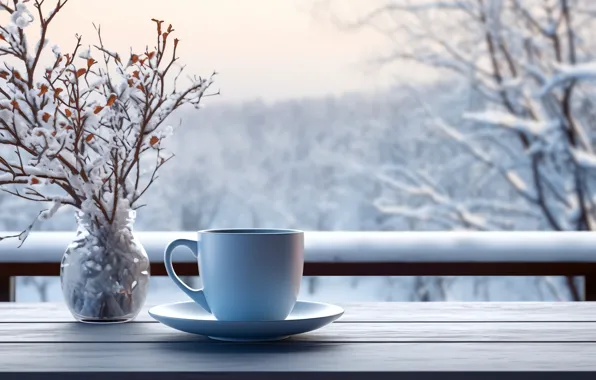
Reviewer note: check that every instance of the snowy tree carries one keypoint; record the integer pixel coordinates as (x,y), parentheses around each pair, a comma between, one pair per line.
(529,62)
(530,67)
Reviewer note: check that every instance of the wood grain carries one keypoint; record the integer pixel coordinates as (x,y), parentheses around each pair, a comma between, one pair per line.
(370,338)
(296,356)
(372,312)
(336,332)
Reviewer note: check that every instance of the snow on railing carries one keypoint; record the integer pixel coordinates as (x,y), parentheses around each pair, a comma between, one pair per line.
(360,247)
(345,253)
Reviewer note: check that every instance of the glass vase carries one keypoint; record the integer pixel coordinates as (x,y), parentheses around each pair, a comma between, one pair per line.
(105,271)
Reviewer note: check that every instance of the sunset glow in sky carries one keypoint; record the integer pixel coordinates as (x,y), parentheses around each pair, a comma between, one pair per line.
(269,49)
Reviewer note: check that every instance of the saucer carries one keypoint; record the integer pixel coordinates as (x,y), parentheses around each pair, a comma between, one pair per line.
(191,318)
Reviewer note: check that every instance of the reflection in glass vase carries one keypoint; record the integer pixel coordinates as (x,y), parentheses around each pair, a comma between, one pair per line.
(105,270)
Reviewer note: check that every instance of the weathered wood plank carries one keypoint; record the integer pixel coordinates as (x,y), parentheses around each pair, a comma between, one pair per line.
(373,312)
(336,332)
(295,356)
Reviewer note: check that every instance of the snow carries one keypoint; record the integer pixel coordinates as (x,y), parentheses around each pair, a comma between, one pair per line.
(56,51)
(584,159)
(366,246)
(6,177)
(47,214)
(517,181)
(566,73)
(22,17)
(509,121)
(45,43)
(85,53)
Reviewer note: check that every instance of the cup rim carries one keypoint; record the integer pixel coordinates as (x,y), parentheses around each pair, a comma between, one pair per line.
(250,231)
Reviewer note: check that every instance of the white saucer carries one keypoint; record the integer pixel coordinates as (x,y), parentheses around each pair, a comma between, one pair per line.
(192,318)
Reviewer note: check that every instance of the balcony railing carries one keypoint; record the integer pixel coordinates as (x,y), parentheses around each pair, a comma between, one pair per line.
(358,254)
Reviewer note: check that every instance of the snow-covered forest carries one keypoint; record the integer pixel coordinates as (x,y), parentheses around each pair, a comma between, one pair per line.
(502,138)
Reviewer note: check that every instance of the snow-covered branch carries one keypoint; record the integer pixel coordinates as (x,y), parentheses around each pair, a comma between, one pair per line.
(85,127)
(568,73)
(507,120)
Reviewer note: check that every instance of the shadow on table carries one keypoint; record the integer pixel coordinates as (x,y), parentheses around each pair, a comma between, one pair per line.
(210,346)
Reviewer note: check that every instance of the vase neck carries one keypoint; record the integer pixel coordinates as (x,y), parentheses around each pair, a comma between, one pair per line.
(122,221)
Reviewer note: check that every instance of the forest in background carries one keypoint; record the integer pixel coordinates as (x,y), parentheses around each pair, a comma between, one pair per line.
(312,164)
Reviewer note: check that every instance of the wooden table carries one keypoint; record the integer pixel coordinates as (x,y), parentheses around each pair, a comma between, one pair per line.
(41,339)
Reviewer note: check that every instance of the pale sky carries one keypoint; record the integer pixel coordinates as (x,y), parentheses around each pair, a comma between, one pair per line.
(272,49)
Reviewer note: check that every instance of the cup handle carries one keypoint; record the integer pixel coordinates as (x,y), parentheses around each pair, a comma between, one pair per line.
(196,295)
